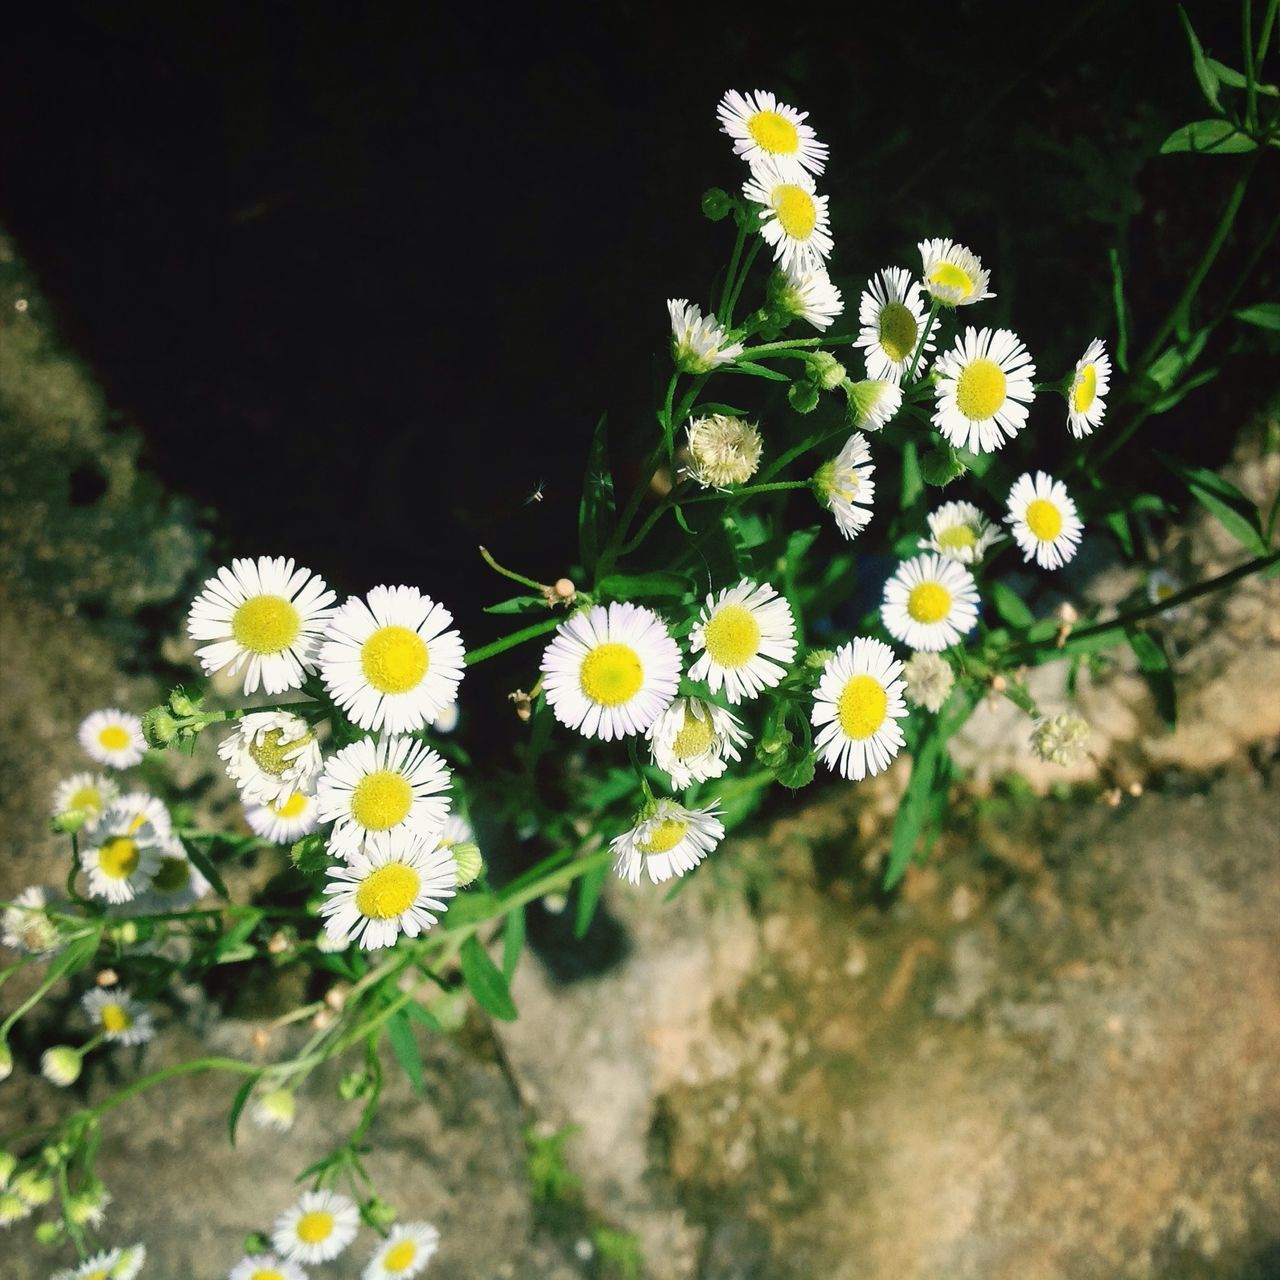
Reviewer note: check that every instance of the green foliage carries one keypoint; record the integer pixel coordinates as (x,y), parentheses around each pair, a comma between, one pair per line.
(551,1180)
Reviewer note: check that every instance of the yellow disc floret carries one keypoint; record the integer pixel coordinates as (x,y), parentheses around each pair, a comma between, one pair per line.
(115,1018)
(796,210)
(898,331)
(86,798)
(958,538)
(695,737)
(1044,519)
(732,637)
(387,891)
(394,659)
(611,674)
(270,1273)
(293,806)
(929,602)
(118,857)
(381,800)
(274,756)
(774,132)
(862,706)
(114,738)
(949,276)
(315,1226)
(400,1256)
(663,836)
(266,624)
(980,389)
(1084,389)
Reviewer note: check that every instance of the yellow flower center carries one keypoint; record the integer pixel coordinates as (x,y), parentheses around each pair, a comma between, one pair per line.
(394,659)
(315,1226)
(86,798)
(273,756)
(862,706)
(115,1018)
(898,331)
(774,133)
(113,738)
(387,892)
(929,602)
(381,800)
(958,537)
(732,637)
(611,674)
(694,738)
(664,836)
(1085,388)
(118,858)
(1165,592)
(980,389)
(1044,519)
(400,1256)
(266,624)
(293,806)
(949,276)
(795,210)
(174,874)
(268,1273)
(101,1273)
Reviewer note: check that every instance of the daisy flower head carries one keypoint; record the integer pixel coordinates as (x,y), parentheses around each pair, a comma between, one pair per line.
(266,1266)
(807,293)
(393,784)
(178,882)
(404,1253)
(271,755)
(398,883)
(891,318)
(698,343)
(284,820)
(120,856)
(264,617)
(666,840)
(102,1266)
(845,487)
(723,450)
(983,389)
(146,808)
(610,672)
(762,128)
(931,603)
(129,1264)
(117,1016)
(113,738)
(275,1110)
(388,660)
(746,639)
(1044,520)
(873,402)
(1092,381)
(27,926)
(85,793)
(456,830)
(856,709)
(317,1228)
(1163,586)
(793,218)
(959,531)
(952,274)
(693,740)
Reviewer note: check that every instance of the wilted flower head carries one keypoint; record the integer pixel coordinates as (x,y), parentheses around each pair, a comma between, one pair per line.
(1061,739)
(27,925)
(723,450)
(929,680)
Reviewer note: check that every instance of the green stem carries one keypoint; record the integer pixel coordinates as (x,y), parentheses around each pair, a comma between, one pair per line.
(773,487)
(143,1083)
(508,573)
(723,312)
(53,976)
(1264,40)
(1250,79)
(488,651)
(742,279)
(778,348)
(786,459)
(924,337)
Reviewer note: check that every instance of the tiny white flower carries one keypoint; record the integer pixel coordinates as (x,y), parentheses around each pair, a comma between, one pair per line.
(27,925)
(808,293)
(1044,520)
(1092,381)
(693,741)
(667,840)
(856,709)
(698,343)
(266,1266)
(117,1016)
(113,738)
(873,402)
(86,793)
(985,383)
(959,531)
(952,274)
(892,316)
(275,1109)
(930,603)
(746,638)
(793,218)
(763,128)
(845,485)
(121,856)
(271,755)
(284,821)
(405,1252)
(1163,586)
(316,1229)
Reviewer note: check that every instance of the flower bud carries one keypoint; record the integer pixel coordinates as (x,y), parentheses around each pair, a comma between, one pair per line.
(1062,739)
(826,370)
(256,1242)
(872,403)
(48,1233)
(87,1208)
(716,204)
(33,1187)
(466,857)
(355,1084)
(69,821)
(6,1068)
(182,703)
(378,1213)
(159,727)
(8,1163)
(12,1208)
(275,1110)
(128,933)
(60,1065)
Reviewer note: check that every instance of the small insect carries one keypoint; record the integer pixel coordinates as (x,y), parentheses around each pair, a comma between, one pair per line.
(537,494)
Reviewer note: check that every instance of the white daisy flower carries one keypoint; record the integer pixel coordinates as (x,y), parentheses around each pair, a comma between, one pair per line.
(285,820)
(807,293)
(698,343)
(610,671)
(266,1266)
(873,402)
(959,531)
(391,886)
(1162,586)
(27,925)
(746,636)
(667,840)
(404,1253)
(388,660)
(146,808)
(13,1209)
(264,616)
(118,1016)
(317,1228)
(88,1207)
(120,857)
(129,1264)
(393,784)
(1092,381)
(102,1266)
(113,738)
(983,389)
(856,709)
(271,755)
(845,486)
(1044,520)
(794,218)
(178,883)
(723,450)
(952,274)
(693,740)
(931,603)
(275,1110)
(892,317)
(87,793)
(457,830)
(762,128)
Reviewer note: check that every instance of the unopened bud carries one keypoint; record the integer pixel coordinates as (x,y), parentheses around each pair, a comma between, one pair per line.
(60,1065)
(33,1187)
(128,933)
(107,978)
(159,727)
(261,1038)
(523,703)
(716,204)
(49,1233)
(355,1084)
(323,1019)
(69,821)
(256,1242)
(816,659)
(564,588)
(1134,789)
(6,1068)
(1066,612)
(275,1110)
(182,703)
(1112,797)
(826,370)
(336,996)
(466,857)
(277,943)
(8,1163)
(998,683)
(378,1213)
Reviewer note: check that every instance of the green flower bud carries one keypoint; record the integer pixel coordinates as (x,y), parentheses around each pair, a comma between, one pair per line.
(49,1233)
(8,1163)
(33,1187)
(825,370)
(12,1208)
(160,728)
(716,204)
(60,1065)
(128,933)
(182,703)
(378,1213)
(69,821)
(256,1242)
(466,857)
(6,1068)
(355,1084)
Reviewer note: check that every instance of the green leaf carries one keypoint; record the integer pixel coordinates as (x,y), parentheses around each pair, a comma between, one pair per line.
(796,773)
(1234,511)
(1266,315)
(589,888)
(1168,368)
(754,370)
(631,586)
(1011,607)
(1118,523)
(310,854)
(519,604)
(1208,138)
(404,1045)
(1164,403)
(941,465)
(424,1016)
(486,981)
(1233,79)
(237,1106)
(512,942)
(912,480)
(1122,311)
(1205,74)
(205,867)
(1154,665)
(596,509)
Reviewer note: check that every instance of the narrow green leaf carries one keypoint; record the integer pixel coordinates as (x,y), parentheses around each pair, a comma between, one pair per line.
(631,586)
(1167,369)
(519,604)
(205,867)
(589,888)
(596,508)
(237,1106)
(1234,79)
(1011,607)
(404,1045)
(1121,310)
(424,1016)
(1154,665)
(1118,523)
(907,824)
(512,942)
(1208,138)
(1266,315)
(754,370)
(1205,74)
(1234,511)
(912,480)
(486,981)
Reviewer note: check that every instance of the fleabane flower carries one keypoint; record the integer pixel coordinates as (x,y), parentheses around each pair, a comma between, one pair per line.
(389,660)
(856,709)
(1044,521)
(929,680)
(1161,587)
(118,1016)
(145,808)
(844,485)
(959,531)
(397,883)
(723,450)
(762,128)
(178,883)
(746,638)
(610,672)
(27,926)
(129,1263)
(931,603)
(271,755)
(892,316)
(84,793)
(806,292)
(873,401)
(102,1266)
(120,856)
(113,738)
(698,343)
(405,1252)
(667,840)
(266,1266)
(316,1229)
(275,1110)
(984,386)
(1092,381)
(396,783)
(794,219)
(264,617)
(693,740)
(284,820)
(953,274)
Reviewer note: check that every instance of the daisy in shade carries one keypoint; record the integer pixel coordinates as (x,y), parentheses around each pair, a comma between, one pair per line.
(284,821)
(892,317)
(667,840)
(317,1228)
(117,1016)
(983,389)
(698,343)
(113,738)
(793,218)
(954,275)
(693,740)
(808,294)
(610,671)
(266,1266)
(404,1253)
(177,884)
(1044,520)
(1161,587)
(389,661)
(27,926)
(395,784)
(856,709)
(1092,381)
(120,857)
(271,755)
(873,402)
(931,603)
(146,808)
(102,1266)
(845,487)
(746,636)
(959,531)
(264,617)
(762,128)
(86,793)
(391,886)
